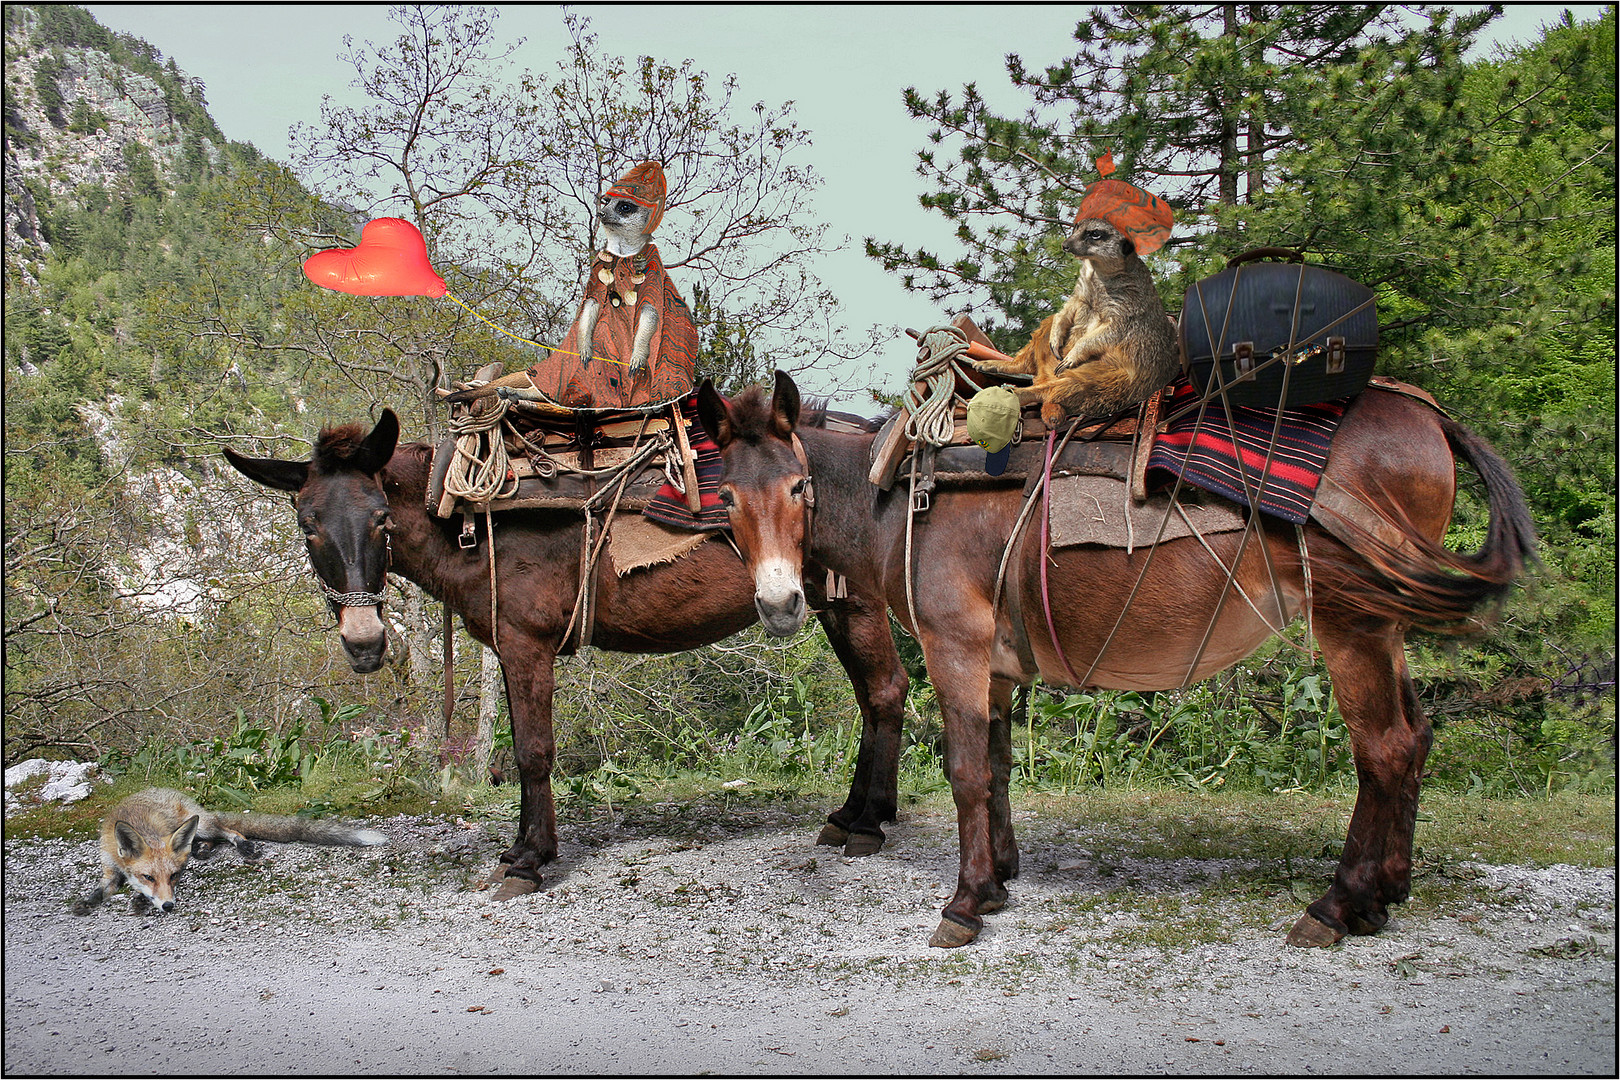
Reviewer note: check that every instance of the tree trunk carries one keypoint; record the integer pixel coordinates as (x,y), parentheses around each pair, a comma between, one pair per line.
(489,697)
(1229,128)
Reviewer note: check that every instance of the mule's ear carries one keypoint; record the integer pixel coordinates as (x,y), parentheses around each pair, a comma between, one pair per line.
(378,447)
(785,405)
(714,413)
(271,472)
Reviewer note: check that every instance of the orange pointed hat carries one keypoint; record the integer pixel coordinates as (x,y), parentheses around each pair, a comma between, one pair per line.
(1140,215)
(644,185)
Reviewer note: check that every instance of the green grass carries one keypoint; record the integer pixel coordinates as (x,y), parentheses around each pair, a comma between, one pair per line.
(1566,827)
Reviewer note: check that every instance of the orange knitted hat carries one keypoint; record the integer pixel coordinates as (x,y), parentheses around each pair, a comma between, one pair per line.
(644,185)
(1140,215)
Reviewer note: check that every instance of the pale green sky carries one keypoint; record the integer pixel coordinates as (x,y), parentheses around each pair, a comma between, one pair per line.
(266,67)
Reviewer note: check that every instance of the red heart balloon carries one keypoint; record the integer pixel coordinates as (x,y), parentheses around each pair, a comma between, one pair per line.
(391,260)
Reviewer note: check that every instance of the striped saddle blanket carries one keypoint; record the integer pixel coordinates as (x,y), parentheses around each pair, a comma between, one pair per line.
(669,507)
(1235,457)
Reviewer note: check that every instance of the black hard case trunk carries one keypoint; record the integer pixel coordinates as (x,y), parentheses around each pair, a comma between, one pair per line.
(1324,325)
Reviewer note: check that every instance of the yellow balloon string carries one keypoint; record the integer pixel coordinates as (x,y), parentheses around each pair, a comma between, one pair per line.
(525,341)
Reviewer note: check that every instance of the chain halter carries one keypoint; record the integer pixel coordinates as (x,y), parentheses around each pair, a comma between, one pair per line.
(349,599)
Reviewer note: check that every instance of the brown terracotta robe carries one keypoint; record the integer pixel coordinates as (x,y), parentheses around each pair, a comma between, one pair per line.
(631,285)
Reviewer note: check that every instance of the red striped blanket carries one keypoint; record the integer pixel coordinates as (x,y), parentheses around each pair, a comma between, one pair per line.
(1231,459)
(669,505)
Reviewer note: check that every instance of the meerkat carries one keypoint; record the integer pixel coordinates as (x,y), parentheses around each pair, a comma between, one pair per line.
(1110,346)
(624,223)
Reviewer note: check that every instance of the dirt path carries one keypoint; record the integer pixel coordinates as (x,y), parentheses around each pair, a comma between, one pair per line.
(742,948)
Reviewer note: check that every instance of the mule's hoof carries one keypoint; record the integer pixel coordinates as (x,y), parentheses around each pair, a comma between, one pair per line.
(992,904)
(951,935)
(832,835)
(863,844)
(495,876)
(514,887)
(1312,933)
(1365,925)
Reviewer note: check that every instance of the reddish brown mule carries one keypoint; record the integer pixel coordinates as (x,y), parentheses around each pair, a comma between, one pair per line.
(1389,448)
(360,503)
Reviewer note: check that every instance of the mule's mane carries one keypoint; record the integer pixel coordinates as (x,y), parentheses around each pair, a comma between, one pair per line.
(336,446)
(751,415)
(752,418)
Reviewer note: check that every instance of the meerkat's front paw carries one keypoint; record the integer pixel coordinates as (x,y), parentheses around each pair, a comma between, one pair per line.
(1077,356)
(1053,414)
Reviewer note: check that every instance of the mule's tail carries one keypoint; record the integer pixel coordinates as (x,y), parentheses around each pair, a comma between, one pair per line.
(1427,586)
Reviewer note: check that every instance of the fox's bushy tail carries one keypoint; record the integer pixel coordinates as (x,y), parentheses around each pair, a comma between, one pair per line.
(296,830)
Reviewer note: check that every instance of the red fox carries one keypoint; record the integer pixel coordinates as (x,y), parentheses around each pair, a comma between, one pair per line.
(147,839)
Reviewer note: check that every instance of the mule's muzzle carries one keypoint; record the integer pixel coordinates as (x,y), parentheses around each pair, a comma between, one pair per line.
(365,640)
(782,618)
(779,598)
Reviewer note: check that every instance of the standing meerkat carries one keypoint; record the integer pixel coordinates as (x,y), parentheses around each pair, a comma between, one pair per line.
(1112,344)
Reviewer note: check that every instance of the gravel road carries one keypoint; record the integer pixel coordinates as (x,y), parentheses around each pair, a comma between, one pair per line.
(738,947)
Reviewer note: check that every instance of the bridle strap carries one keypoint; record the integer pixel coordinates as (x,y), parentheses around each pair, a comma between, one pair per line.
(809,496)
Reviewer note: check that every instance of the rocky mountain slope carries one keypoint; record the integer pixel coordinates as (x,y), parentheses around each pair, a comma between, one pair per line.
(86,106)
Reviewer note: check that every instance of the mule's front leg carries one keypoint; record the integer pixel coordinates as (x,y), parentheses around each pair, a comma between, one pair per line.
(865,646)
(530,683)
(1003,843)
(963,686)
(1390,738)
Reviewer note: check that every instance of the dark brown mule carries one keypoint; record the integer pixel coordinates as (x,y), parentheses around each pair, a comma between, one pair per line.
(360,503)
(1389,447)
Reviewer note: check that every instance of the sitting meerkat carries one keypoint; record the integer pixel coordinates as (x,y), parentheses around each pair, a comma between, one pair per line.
(1110,346)
(627,227)
(631,316)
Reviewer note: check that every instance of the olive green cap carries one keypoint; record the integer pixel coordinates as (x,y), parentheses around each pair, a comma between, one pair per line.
(992,421)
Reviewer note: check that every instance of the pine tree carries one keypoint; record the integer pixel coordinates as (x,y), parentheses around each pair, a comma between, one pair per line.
(1198,104)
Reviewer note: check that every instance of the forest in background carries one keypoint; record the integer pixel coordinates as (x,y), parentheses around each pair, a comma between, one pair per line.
(154,312)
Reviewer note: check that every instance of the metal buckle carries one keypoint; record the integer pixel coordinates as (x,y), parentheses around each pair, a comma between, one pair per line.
(1243,355)
(921,500)
(469,533)
(1336,354)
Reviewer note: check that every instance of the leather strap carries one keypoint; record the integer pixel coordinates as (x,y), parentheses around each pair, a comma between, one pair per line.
(1352,519)
(1046,544)
(1146,430)
(449,669)
(1395,386)
(1015,611)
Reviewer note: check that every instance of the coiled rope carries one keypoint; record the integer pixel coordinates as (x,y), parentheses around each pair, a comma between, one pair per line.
(480,470)
(929,418)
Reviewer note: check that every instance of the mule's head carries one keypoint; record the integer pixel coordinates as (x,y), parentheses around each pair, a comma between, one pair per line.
(344,515)
(765,486)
